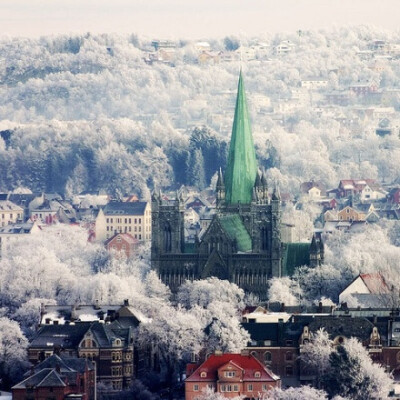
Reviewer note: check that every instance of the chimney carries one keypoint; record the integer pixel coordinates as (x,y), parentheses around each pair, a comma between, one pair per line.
(245,353)
(218,353)
(96,304)
(126,303)
(47,321)
(282,307)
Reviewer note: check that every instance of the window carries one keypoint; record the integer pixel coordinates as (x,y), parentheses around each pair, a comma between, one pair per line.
(289,370)
(264,388)
(250,387)
(140,220)
(289,356)
(267,356)
(203,374)
(257,374)
(229,374)
(126,220)
(107,220)
(130,220)
(196,388)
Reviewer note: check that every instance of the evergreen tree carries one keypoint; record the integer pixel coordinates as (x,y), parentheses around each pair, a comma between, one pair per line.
(195,171)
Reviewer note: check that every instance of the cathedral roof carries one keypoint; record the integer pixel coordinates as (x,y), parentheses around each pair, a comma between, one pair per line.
(295,255)
(241,168)
(234,228)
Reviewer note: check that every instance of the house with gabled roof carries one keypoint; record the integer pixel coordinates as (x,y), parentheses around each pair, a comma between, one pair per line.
(231,375)
(365,284)
(58,378)
(122,245)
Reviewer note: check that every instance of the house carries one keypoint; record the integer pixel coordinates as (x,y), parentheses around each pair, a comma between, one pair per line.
(314,83)
(122,244)
(58,378)
(351,214)
(394,196)
(370,284)
(209,57)
(365,189)
(124,217)
(279,344)
(230,375)
(10,213)
(283,48)
(63,327)
(109,345)
(314,190)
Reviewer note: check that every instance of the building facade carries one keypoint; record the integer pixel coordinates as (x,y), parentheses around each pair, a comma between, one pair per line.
(231,375)
(124,217)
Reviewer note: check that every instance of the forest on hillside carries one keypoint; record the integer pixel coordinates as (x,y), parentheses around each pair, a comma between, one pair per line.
(91,113)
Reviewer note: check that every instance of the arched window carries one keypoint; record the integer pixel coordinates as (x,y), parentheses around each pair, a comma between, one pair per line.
(267,356)
(289,356)
(167,238)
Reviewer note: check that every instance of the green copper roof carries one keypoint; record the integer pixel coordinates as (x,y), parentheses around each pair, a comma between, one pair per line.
(241,169)
(295,255)
(234,228)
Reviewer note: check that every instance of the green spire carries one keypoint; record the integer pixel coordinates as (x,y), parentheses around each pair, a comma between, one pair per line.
(241,169)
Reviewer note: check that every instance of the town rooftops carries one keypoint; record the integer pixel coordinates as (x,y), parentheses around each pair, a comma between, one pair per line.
(125,208)
(47,377)
(247,363)
(7,205)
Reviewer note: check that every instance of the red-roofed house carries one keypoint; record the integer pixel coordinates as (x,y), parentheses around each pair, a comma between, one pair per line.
(231,375)
(365,284)
(367,189)
(122,243)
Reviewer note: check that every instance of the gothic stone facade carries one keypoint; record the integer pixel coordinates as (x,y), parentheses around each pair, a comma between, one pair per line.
(242,243)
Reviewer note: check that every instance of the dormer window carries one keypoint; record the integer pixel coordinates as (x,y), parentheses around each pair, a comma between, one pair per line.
(203,374)
(257,374)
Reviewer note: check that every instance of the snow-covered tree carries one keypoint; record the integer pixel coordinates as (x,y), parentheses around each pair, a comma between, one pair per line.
(13,352)
(284,290)
(298,393)
(315,354)
(352,373)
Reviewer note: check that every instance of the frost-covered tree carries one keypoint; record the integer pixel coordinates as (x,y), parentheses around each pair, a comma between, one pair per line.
(315,355)
(177,335)
(298,393)
(284,290)
(352,374)
(13,352)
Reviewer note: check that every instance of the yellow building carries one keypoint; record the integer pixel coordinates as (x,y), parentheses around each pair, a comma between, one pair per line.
(10,213)
(124,217)
(350,214)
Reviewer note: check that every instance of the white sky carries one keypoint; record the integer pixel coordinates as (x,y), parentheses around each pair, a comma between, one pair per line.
(190,18)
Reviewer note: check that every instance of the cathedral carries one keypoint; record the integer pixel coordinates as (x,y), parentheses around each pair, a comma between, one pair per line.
(243,241)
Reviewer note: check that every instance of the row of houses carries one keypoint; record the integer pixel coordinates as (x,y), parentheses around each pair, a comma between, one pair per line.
(108,352)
